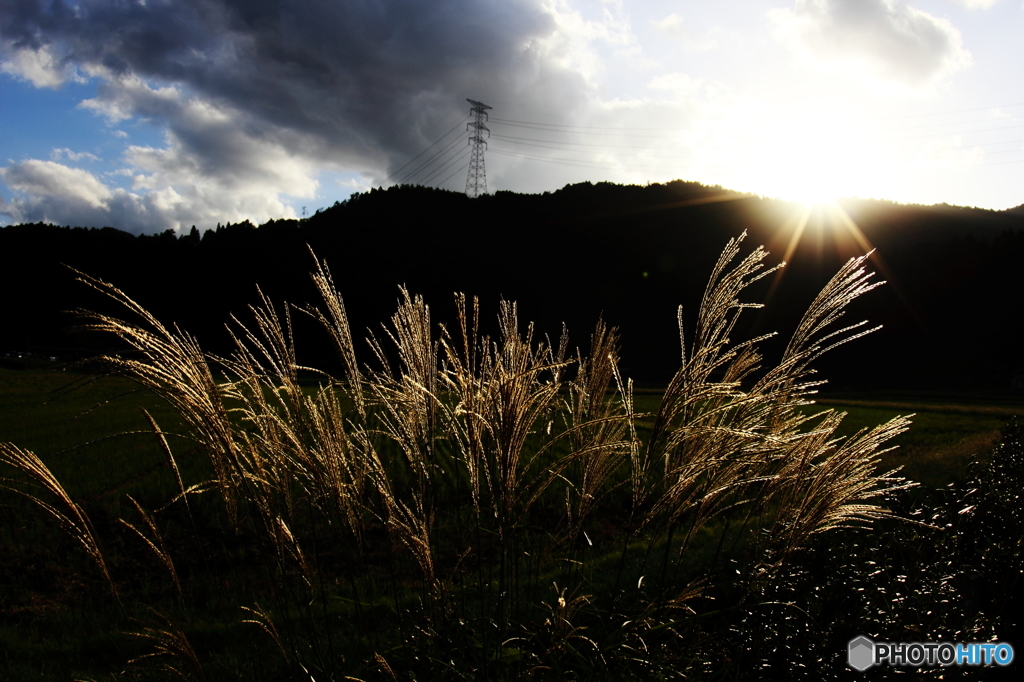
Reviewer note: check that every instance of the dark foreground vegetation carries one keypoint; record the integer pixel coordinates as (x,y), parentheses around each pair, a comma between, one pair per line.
(498,506)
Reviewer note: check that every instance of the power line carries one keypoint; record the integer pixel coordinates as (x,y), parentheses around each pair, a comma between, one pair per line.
(954,132)
(579,147)
(618,164)
(638,156)
(446,166)
(532,142)
(605,165)
(432,159)
(527,124)
(584,130)
(425,150)
(628,131)
(457,170)
(569,146)
(943,113)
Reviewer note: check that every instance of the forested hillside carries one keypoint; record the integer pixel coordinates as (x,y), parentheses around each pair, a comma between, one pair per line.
(629,253)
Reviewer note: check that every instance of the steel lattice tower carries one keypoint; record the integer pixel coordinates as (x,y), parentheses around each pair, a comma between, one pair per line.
(476,181)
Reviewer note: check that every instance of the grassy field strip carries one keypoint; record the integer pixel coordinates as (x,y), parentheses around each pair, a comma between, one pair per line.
(95,435)
(36,413)
(943,438)
(991,410)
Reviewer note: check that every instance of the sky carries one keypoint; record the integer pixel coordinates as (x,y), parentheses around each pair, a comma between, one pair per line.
(148,115)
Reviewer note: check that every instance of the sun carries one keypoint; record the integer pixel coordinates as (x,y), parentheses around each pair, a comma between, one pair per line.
(813,160)
(806,178)
(812,197)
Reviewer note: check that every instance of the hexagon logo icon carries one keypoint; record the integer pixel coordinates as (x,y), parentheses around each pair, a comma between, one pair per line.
(861,653)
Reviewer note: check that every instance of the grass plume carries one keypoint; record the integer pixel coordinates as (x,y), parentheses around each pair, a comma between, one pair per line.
(452,481)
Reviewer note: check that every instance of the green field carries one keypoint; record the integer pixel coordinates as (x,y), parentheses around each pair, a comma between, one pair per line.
(93,434)
(90,430)
(949,430)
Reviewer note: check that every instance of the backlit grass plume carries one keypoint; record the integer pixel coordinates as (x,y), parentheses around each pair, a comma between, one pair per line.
(446,486)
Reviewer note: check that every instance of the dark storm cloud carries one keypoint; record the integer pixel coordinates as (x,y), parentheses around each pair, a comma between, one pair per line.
(365,83)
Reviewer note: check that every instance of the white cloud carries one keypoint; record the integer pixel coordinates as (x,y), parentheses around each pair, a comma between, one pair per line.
(672,25)
(120,99)
(885,39)
(51,180)
(50,192)
(353,184)
(947,153)
(65,153)
(217,165)
(675,26)
(975,4)
(573,45)
(39,66)
(680,83)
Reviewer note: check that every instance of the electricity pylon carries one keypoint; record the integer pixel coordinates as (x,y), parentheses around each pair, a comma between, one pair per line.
(476,181)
